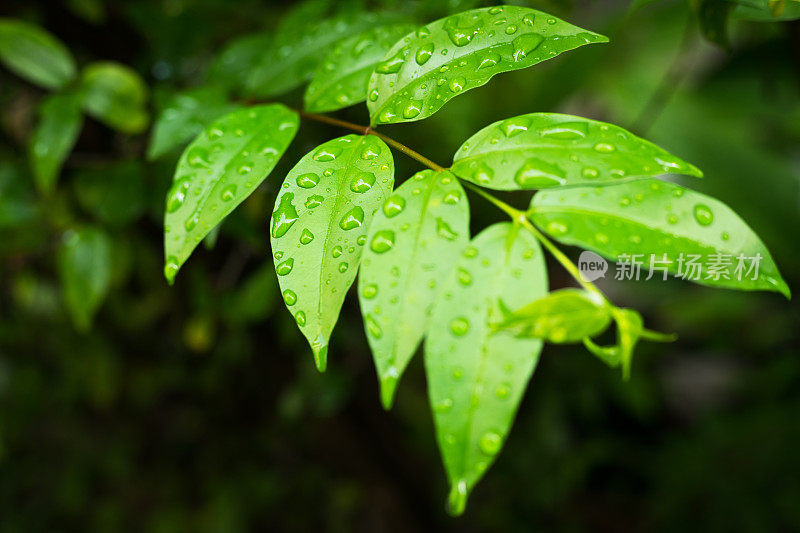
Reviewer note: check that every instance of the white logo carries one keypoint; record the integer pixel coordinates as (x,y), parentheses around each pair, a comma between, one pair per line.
(592,266)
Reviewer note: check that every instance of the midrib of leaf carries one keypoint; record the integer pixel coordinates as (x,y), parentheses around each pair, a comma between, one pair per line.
(702,242)
(414,253)
(495,286)
(213,183)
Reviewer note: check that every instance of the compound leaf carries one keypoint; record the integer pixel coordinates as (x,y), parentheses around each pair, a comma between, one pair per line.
(663,226)
(115,95)
(60,123)
(84,265)
(563,316)
(477,375)
(341,78)
(218,170)
(413,243)
(185,116)
(295,52)
(426,69)
(543,150)
(35,54)
(319,227)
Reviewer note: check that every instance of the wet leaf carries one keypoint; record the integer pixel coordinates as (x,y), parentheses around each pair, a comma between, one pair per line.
(293,56)
(84,265)
(341,78)
(185,116)
(543,150)
(34,54)
(660,225)
(218,170)
(563,316)
(115,95)
(319,228)
(630,327)
(412,245)
(452,55)
(476,375)
(59,125)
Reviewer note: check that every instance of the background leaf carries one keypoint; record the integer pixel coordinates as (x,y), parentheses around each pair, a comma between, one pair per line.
(84,265)
(476,375)
(319,228)
(341,78)
(458,53)
(232,66)
(295,53)
(542,150)
(185,116)
(218,170)
(413,243)
(115,95)
(59,126)
(34,54)
(114,194)
(566,315)
(652,217)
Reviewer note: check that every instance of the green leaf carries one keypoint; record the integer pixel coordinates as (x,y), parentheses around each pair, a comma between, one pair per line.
(60,123)
(84,265)
(34,54)
(185,116)
(319,227)
(563,316)
(767,10)
(113,193)
(234,63)
(476,375)
(295,53)
(660,222)
(426,69)
(543,150)
(413,243)
(713,15)
(630,327)
(115,95)
(341,78)
(218,170)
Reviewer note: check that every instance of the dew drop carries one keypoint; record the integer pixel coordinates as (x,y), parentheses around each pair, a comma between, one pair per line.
(703,215)
(490,443)
(289,297)
(458,83)
(393,64)
(566,131)
(369,291)
(459,326)
(464,277)
(284,216)
(590,173)
(228,193)
(328,153)
(502,391)
(424,53)
(525,44)
(557,228)
(352,219)
(308,180)
(306,236)
(343,267)
(489,60)
(514,126)
(373,328)
(363,182)
(177,195)
(394,205)
(370,151)
(300,318)
(382,241)
(452,197)
(538,174)
(604,148)
(444,230)
(285,268)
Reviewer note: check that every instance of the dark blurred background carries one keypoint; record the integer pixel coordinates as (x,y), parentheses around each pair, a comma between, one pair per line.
(198,408)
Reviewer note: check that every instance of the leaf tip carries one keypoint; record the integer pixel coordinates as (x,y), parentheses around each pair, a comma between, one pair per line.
(320,356)
(170,271)
(388,384)
(457,500)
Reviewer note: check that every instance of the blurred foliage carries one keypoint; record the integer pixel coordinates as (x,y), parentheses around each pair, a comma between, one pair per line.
(198,408)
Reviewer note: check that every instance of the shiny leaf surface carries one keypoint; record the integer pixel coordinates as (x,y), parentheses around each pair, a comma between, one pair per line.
(115,95)
(452,55)
(218,170)
(477,375)
(185,116)
(663,226)
(341,78)
(295,53)
(84,265)
(413,243)
(563,316)
(544,150)
(319,228)
(59,125)
(35,54)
